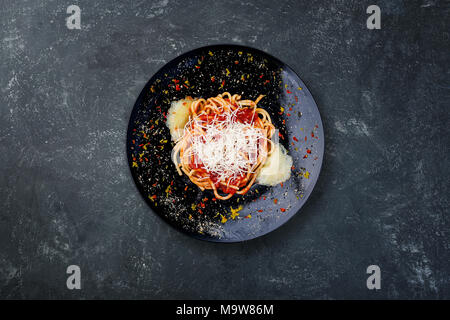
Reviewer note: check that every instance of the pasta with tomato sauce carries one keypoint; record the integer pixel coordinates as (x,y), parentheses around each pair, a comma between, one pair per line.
(223,144)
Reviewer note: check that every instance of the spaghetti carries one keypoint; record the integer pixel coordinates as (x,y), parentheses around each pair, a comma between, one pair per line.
(224,144)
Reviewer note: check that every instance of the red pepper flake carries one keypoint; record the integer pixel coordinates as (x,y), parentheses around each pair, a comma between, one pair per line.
(295,139)
(283,209)
(305,138)
(292,168)
(202,205)
(214,199)
(290,108)
(223,83)
(284,121)
(140,145)
(200,211)
(312,134)
(213,78)
(296,99)
(280,135)
(185,189)
(308,150)
(305,156)
(288,114)
(260,210)
(146,159)
(261,76)
(288,91)
(316,126)
(266,82)
(264,198)
(281,184)
(236,62)
(153,197)
(177,87)
(275,201)
(197,67)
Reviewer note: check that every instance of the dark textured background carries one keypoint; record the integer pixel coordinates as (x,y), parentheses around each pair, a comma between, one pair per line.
(67,196)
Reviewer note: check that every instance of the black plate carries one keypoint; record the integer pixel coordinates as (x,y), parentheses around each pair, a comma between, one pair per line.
(206,72)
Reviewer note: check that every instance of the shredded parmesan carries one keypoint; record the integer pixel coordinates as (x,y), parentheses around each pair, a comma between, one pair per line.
(228,148)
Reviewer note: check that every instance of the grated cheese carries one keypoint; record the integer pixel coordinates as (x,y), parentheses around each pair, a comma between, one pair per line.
(226,145)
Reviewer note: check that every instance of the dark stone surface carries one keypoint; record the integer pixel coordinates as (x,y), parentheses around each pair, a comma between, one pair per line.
(66,193)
